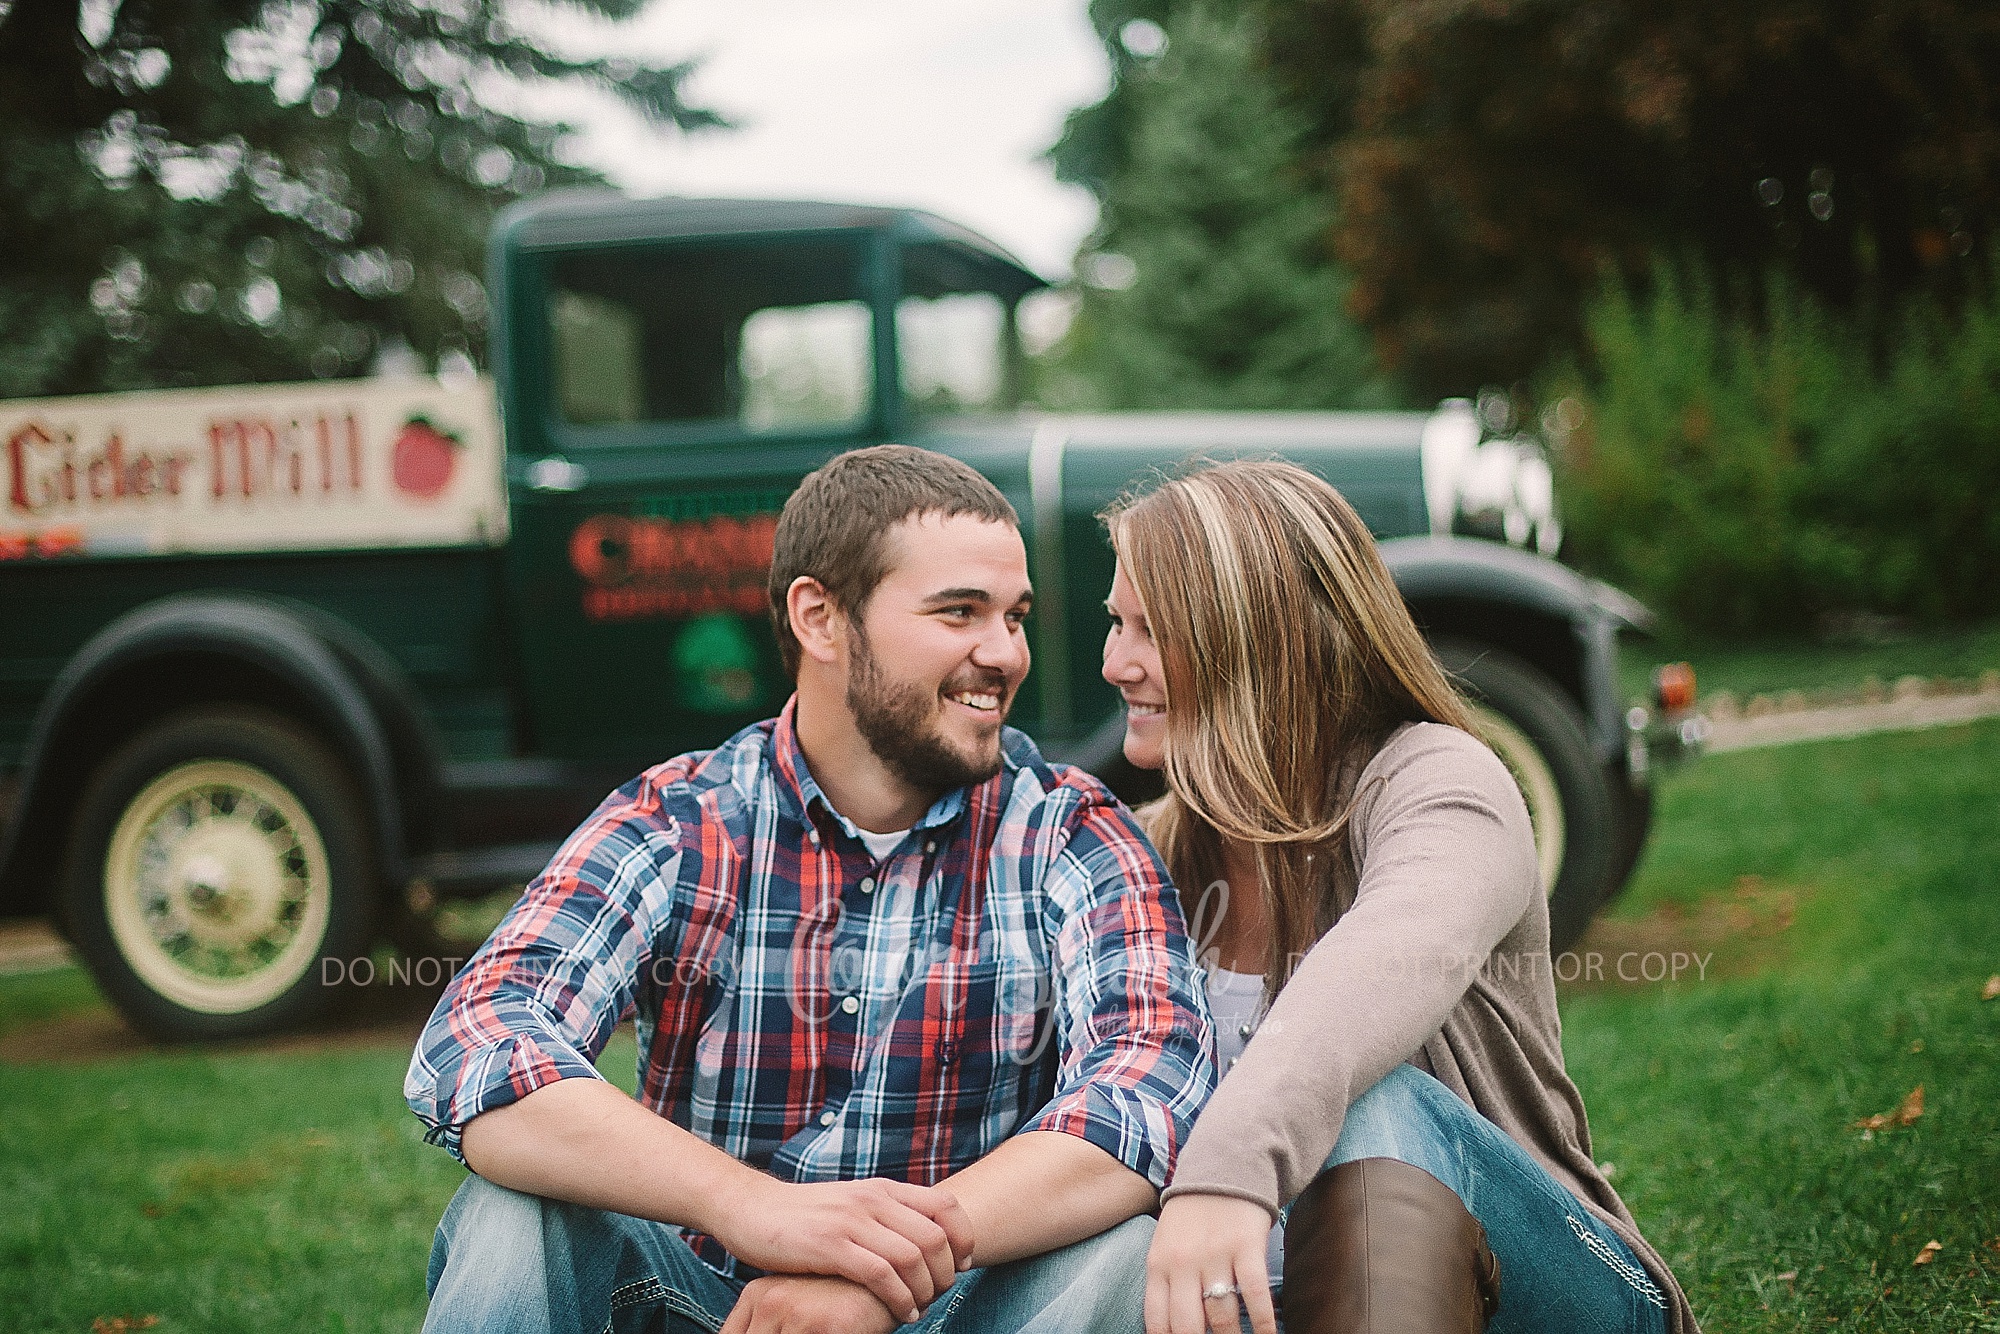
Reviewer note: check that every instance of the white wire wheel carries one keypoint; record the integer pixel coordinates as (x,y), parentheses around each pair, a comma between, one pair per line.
(217,859)
(217,887)
(1537,783)
(1540,735)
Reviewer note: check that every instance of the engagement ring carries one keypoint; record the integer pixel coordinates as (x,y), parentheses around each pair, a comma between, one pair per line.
(1220,1289)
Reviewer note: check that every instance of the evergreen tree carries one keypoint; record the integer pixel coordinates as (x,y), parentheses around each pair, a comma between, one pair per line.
(1208,282)
(217,191)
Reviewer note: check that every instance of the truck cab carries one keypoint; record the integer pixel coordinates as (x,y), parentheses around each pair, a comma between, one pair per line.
(227,766)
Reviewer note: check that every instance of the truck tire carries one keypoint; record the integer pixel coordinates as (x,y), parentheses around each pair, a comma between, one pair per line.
(1539,734)
(218,868)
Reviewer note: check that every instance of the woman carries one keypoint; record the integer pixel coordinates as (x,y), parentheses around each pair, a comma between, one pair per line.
(1402,1111)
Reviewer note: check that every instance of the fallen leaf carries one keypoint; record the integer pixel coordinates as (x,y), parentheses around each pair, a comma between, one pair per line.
(122,1324)
(1991,989)
(1906,1112)
(1928,1253)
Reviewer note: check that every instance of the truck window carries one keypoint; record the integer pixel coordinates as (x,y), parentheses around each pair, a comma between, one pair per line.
(597,359)
(805,366)
(766,336)
(952,351)
(955,331)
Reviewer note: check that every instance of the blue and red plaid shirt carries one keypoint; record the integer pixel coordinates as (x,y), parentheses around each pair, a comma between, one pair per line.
(1018,963)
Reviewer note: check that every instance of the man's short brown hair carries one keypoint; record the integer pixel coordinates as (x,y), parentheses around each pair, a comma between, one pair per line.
(832,528)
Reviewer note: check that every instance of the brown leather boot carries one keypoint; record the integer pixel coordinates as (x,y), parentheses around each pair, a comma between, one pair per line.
(1380,1247)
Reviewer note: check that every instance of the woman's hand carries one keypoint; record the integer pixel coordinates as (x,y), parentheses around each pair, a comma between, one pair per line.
(1204,1240)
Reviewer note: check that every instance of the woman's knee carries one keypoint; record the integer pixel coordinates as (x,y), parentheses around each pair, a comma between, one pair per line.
(1408,1116)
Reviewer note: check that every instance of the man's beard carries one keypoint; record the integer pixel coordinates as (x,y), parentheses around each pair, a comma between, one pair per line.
(897,721)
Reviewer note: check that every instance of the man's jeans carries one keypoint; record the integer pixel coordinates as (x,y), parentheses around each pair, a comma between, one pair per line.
(506,1262)
(1560,1269)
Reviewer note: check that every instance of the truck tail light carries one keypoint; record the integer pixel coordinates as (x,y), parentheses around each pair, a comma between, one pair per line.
(1673,687)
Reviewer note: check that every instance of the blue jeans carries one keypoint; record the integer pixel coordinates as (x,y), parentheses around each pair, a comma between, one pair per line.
(1560,1269)
(504,1261)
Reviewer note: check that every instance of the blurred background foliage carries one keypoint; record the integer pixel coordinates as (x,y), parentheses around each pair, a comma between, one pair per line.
(218,191)
(1736,260)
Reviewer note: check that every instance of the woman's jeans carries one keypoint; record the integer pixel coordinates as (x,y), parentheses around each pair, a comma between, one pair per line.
(504,1261)
(1560,1269)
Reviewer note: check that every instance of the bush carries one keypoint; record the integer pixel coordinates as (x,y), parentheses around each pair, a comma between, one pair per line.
(1747,475)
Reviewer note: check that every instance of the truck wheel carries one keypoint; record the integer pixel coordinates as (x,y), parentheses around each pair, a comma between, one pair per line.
(1539,734)
(1635,822)
(215,861)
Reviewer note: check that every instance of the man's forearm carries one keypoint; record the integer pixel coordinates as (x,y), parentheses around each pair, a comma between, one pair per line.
(586,1142)
(583,1141)
(1045,1190)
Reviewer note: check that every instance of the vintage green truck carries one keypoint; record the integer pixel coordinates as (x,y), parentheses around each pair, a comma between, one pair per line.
(284,669)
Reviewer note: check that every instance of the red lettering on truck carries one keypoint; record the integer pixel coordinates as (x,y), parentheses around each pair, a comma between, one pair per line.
(656,567)
(256,456)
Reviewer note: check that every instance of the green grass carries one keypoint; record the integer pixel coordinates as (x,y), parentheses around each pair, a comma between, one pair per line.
(252,1190)
(1959,652)
(1728,1106)
(220,1191)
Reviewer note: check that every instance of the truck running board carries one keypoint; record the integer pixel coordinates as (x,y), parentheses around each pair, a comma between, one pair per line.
(461,873)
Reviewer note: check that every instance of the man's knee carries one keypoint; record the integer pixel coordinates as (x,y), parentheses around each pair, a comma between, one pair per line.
(1121,1249)
(488,1266)
(1096,1284)
(1111,1267)
(502,1227)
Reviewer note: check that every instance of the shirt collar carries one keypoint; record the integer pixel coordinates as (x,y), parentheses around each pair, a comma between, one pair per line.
(795,780)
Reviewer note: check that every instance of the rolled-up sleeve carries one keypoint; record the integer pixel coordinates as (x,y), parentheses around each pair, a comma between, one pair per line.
(543,995)
(1136,1044)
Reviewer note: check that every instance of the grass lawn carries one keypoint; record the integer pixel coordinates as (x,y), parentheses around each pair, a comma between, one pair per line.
(1728,1105)
(1848,891)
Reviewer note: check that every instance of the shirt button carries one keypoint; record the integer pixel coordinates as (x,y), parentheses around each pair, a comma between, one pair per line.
(1243,1032)
(827,1118)
(867,884)
(930,845)
(813,836)
(850,1005)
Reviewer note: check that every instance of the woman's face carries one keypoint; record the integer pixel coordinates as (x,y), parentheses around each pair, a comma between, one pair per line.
(1132,663)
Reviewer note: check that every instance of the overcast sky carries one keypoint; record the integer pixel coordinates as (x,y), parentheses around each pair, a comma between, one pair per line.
(943,104)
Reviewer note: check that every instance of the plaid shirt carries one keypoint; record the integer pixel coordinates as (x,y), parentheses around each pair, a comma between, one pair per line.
(1018,963)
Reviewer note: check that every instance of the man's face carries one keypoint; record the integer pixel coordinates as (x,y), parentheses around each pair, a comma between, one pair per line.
(940,650)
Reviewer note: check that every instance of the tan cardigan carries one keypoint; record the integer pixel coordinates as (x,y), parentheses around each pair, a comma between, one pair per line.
(1439,956)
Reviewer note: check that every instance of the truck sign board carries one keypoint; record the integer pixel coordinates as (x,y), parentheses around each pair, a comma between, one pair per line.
(339,466)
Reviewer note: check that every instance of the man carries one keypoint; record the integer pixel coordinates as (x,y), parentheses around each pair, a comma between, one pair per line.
(918,1027)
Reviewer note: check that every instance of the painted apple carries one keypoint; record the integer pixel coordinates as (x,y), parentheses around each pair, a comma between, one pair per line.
(423,459)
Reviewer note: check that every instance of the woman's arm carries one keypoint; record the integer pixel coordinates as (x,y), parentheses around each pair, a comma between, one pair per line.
(1447,870)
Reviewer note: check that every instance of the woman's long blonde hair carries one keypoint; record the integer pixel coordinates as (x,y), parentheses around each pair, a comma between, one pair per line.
(1287,650)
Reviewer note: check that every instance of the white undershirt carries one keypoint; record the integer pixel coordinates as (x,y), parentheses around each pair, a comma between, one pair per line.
(1237,1002)
(881,845)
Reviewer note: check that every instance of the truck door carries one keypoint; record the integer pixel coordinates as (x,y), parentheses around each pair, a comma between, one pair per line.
(666,398)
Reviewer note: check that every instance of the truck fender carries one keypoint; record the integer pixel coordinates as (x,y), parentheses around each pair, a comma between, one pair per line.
(263,633)
(1434,570)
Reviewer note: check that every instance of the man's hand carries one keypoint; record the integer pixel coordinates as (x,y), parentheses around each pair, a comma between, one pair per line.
(795,1304)
(900,1242)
